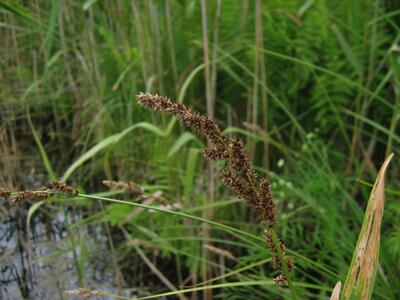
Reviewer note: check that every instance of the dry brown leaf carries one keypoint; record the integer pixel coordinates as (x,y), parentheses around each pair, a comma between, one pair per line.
(361,276)
(336,291)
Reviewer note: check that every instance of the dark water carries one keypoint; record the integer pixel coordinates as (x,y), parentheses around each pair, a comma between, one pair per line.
(42,263)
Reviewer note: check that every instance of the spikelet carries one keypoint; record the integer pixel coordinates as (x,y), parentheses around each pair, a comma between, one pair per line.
(4,193)
(22,196)
(62,187)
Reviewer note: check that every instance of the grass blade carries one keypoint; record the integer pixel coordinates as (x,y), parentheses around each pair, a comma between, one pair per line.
(42,151)
(111,140)
(181,141)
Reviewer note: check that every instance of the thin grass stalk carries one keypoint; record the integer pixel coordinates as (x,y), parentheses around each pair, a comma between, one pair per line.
(171,48)
(263,75)
(157,44)
(208,213)
(253,114)
(140,39)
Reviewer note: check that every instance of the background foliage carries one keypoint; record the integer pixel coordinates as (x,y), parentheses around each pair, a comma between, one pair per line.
(315,94)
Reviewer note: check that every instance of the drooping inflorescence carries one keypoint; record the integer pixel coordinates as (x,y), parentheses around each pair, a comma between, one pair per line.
(237,173)
(39,194)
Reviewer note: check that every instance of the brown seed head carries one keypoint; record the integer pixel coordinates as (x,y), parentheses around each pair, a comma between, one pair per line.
(240,186)
(203,124)
(4,193)
(281,280)
(266,204)
(62,187)
(237,175)
(19,197)
(214,153)
(238,158)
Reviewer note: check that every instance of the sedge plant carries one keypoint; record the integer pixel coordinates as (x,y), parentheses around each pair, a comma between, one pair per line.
(237,175)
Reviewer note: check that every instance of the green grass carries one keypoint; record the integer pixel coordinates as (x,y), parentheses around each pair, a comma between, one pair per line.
(326,102)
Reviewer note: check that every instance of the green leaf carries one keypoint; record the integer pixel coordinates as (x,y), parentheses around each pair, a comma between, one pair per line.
(109,141)
(181,141)
(42,151)
(190,172)
(31,211)
(20,12)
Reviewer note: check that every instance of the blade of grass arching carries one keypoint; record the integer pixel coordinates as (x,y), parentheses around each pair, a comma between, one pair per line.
(209,287)
(235,272)
(234,231)
(231,284)
(183,140)
(42,151)
(14,27)
(389,191)
(384,17)
(260,283)
(342,78)
(109,141)
(17,10)
(214,205)
(361,276)
(374,124)
(88,4)
(176,213)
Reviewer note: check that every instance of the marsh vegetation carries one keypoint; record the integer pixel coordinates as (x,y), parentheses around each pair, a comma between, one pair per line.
(297,102)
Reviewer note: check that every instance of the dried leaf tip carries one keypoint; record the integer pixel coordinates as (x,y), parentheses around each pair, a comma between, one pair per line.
(129,187)
(84,293)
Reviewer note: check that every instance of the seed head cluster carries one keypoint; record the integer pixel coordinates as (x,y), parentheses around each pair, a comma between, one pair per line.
(39,194)
(4,193)
(203,124)
(65,188)
(237,173)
